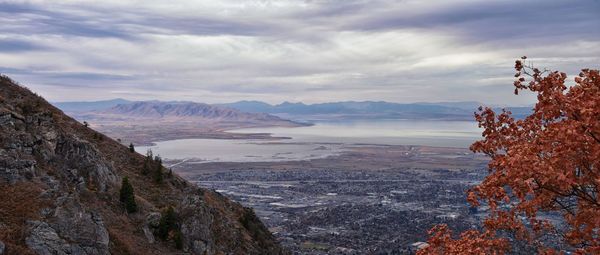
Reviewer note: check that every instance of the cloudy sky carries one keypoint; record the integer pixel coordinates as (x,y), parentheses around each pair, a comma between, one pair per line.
(291,50)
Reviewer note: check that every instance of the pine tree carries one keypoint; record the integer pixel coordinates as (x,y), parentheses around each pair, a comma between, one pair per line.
(148,155)
(146,168)
(126,196)
(178,239)
(147,163)
(131,148)
(158,174)
(168,222)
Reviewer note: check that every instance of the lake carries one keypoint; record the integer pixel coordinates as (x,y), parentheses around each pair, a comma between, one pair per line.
(320,140)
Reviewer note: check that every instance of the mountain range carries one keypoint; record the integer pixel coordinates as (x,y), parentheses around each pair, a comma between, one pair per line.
(304,112)
(179,111)
(370,110)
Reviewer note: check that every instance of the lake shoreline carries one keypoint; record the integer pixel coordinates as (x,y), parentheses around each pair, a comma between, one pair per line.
(311,142)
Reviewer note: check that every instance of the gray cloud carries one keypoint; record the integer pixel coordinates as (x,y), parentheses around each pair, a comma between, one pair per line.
(8,45)
(292,50)
(30,19)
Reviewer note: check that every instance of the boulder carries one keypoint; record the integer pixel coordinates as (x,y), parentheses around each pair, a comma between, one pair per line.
(85,161)
(77,225)
(196,222)
(148,233)
(153,219)
(69,230)
(44,240)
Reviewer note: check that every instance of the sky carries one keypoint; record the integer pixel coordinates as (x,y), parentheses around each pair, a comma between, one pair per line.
(310,51)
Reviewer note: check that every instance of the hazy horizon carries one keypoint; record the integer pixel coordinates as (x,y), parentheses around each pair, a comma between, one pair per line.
(284,102)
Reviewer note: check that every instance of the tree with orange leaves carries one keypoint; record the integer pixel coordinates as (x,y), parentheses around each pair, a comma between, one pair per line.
(548,162)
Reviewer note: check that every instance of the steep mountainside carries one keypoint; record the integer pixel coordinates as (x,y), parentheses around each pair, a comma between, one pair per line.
(60,183)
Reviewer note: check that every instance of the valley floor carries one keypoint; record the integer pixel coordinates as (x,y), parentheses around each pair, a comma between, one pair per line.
(369,200)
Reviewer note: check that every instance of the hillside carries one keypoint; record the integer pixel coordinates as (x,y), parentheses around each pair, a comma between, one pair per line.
(64,179)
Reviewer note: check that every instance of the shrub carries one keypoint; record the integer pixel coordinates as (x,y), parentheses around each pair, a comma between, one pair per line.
(547,162)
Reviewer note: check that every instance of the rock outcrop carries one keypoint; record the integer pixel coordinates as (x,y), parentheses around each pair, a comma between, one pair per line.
(64,180)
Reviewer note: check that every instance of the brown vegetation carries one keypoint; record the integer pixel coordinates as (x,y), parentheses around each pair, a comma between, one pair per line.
(547,162)
(20,202)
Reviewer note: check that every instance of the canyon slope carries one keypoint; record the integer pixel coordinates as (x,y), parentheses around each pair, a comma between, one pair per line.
(60,183)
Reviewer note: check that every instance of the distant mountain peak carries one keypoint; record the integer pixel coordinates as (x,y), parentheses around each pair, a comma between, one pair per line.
(286,103)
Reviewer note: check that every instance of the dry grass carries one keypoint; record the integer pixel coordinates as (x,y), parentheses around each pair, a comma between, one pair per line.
(20,202)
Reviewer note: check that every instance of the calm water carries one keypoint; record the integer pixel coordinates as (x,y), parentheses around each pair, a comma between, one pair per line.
(321,140)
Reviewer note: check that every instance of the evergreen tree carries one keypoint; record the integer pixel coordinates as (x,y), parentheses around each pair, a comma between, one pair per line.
(149,155)
(167,223)
(158,174)
(126,196)
(147,163)
(146,169)
(131,148)
(178,239)
(158,169)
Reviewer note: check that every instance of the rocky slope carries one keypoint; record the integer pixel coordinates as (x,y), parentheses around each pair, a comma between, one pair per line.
(60,183)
